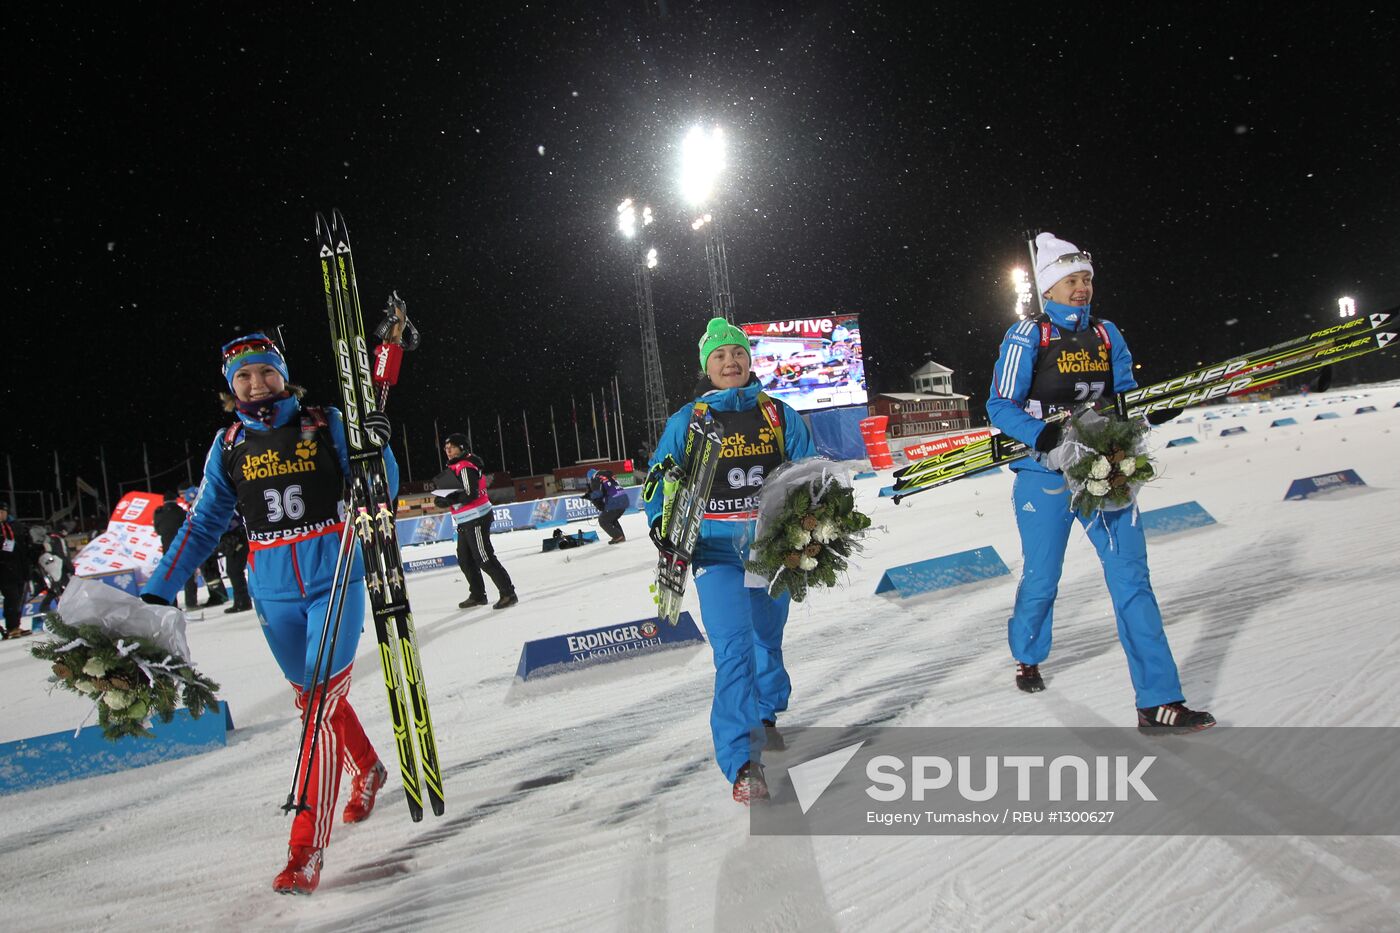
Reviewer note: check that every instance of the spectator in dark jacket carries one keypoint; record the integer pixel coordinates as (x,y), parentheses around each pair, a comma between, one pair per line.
(167,519)
(16,559)
(464,482)
(57,562)
(610,500)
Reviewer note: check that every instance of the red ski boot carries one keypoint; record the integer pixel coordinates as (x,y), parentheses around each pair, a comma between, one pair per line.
(303,871)
(750,786)
(362,793)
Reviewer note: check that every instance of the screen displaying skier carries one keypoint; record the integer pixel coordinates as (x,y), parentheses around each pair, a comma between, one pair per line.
(810,363)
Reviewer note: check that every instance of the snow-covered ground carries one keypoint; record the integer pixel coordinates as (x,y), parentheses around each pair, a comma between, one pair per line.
(591,801)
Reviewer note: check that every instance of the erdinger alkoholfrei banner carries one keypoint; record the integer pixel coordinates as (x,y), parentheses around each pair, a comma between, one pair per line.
(130,541)
(810,363)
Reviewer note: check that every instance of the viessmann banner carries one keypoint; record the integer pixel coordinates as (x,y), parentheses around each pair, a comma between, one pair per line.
(810,363)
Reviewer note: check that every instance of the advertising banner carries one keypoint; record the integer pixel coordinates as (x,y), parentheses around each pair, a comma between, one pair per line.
(129,543)
(511,516)
(947,442)
(810,363)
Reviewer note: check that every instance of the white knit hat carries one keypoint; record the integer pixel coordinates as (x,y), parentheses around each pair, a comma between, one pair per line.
(1056,258)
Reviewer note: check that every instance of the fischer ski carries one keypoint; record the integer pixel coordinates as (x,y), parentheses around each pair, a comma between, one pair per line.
(1294,357)
(686,494)
(372,515)
(999,448)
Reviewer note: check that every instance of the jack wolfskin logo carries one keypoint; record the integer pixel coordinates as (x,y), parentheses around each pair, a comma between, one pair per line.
(306,449)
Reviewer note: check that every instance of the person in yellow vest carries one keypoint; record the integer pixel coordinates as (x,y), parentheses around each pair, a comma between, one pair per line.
(744,624)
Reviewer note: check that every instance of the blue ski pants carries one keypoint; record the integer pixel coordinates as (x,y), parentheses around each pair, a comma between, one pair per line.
(293,629)
(745,629)
(1044,519)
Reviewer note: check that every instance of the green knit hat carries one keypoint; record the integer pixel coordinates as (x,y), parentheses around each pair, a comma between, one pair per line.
(720,333)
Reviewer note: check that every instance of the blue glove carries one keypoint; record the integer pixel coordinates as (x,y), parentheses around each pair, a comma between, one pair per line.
(377,426)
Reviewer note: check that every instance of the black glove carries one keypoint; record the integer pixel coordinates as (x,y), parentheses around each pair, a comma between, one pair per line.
(377,426)
(154,600)
(1049,438)
(1163,415)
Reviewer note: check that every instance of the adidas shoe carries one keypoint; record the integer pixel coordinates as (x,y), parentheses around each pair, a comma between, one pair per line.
(363,790)
(1028,677)
(773,738)
(303,871)
(1173,717)
(749,786)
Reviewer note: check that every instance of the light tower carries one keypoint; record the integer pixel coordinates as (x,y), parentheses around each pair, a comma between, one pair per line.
(643,261)
(1346,307)
(702,160)
(1022,286)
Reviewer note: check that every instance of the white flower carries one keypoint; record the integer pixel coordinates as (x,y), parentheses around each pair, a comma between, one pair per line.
(1128,467)
(116,699)
(94,667)
(807,563)
(1100,469)
(825,532)
(799,538)
(1097,487)
(84,686)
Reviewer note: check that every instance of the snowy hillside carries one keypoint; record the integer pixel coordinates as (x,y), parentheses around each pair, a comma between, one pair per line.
(591,801)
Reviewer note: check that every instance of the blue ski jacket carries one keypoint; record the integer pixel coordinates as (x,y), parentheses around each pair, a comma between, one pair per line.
(727,539)
(1015,370)
(290,570)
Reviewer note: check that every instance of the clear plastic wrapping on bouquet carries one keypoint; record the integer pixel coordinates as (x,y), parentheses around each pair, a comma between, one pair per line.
(818,474)
(1073,449)
(118,613)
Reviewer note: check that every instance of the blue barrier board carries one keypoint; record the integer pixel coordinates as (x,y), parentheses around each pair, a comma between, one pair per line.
(939,573)
(1283,422)
(1325,416)
(864,474)
(430,563)
(1174,518)
(1365,409)
(562,653)
(60,756)
(1182,441)
(1311,485)
(1229,431)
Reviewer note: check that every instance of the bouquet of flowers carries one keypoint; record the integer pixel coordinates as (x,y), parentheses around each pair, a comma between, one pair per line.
(808,527)
(130,658)
(1104,459)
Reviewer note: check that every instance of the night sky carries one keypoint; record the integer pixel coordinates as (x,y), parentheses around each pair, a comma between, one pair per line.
(1234,168)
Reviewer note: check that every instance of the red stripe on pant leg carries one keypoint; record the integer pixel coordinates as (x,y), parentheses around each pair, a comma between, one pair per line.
(321,771)
(359,753)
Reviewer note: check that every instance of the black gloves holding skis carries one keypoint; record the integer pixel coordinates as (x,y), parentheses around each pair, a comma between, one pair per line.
(377,424)
(154,600)
(1162,416)
(1048,438)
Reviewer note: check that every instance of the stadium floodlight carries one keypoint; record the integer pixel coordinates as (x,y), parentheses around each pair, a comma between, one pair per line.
(1021,283)
(702,161)
(651,258)
(627,219)
(1347,307)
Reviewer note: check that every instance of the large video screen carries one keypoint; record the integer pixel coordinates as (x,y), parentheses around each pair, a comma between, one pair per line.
(810,363)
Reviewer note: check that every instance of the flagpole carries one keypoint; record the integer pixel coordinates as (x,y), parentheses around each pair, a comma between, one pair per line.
(553,429)
(621,431)
(437,442)
(529,454)
(147,461)
(82,516)
(57,483)
(407,460)
(106,487)
(607,427)
(578,444)
(470,446)
(189,467)
(597,445)
(10,469)
(501,442)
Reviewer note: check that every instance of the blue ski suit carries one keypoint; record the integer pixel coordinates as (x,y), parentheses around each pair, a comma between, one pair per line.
(290,569)
(1041,498)
(744,625)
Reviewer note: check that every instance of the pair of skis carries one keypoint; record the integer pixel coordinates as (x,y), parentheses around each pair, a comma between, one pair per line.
(371,516)
(685,488)
(1298,356)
